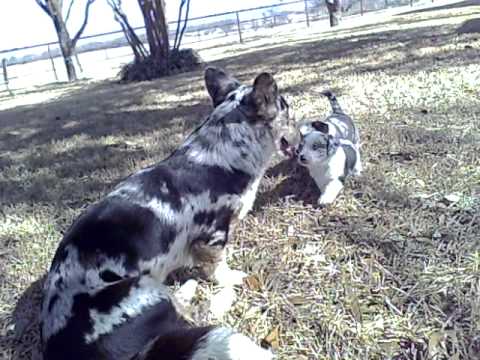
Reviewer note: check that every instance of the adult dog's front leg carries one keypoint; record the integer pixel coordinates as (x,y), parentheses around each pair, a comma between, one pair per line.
(213,262)
(226,278)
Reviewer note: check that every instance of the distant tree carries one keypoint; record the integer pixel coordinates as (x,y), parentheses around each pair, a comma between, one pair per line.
(226,26)
(55,10)
(159,60)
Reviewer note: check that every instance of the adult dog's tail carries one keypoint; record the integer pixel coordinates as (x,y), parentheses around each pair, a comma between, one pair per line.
(336,108)
(203,343)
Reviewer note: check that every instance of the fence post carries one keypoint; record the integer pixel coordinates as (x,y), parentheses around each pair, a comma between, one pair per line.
(5,76)
(306,13)
(411,3)
(386,3)
(53,63)
(238,28)
(361,7)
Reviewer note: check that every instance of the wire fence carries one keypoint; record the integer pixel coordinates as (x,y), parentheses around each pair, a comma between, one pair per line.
(102,56)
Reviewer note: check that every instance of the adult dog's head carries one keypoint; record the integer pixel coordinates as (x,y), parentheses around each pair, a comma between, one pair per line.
(259,106)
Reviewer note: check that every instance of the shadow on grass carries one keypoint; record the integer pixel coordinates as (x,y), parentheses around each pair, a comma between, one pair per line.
(457,5)
(295,183)
(357,51)
(23,340)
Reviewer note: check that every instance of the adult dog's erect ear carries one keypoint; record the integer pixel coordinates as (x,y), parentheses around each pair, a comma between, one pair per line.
(264,96)
(219,84)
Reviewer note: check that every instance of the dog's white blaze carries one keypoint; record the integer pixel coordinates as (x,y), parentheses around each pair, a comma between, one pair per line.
(161,209)
(148,293)
(248,198)
(224,344)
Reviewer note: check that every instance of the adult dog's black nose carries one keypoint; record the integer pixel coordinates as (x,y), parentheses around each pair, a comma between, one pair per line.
(303,159)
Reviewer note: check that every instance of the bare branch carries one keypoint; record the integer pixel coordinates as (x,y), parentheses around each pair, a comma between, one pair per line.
(184,24)
(85,21)
(44,7)
(69,10)
(179,20)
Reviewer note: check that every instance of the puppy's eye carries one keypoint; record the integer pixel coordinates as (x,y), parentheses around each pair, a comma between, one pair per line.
(317,146)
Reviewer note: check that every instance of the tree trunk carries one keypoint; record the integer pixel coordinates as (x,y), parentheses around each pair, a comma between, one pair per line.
(153,12)
(66,46)
(53,8)
(334,11)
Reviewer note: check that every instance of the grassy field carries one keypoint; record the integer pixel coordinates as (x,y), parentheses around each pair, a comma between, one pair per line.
(390,271)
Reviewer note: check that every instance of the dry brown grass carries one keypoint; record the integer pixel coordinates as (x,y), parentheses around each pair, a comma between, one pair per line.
(391,271)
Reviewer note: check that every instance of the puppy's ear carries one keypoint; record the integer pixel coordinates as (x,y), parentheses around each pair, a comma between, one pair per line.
(264,96)
(219,84)
(320,126)
(304,129)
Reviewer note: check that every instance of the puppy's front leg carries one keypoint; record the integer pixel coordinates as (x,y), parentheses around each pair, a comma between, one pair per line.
(358,168)
(330,192)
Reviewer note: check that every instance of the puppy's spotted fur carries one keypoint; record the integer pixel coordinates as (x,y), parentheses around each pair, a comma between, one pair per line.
(330,149)
(104,297)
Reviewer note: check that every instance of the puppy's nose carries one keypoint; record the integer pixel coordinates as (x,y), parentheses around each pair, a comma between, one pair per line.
(303,158)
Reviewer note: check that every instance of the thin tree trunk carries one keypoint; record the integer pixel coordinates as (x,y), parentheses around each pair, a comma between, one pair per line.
(53,8)
(334,11)
(66,46)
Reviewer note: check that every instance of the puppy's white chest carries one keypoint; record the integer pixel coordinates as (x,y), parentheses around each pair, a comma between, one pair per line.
(328,169)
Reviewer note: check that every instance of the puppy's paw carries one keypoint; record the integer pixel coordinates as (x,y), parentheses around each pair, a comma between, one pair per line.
(222,301)
(228,277)
(186,292)
(324,201)
(357,170)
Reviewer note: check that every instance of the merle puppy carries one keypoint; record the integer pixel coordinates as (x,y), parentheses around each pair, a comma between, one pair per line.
(104,296)
(330,151)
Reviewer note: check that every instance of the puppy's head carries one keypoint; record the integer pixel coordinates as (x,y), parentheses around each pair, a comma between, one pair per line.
(316,144)
(261,103)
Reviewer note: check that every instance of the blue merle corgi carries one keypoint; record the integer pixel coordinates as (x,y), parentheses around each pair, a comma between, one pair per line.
(330,150)
(104,296)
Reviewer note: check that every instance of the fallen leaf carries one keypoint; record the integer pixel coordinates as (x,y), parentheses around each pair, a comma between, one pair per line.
(297,300)
(253,282)
(272,340)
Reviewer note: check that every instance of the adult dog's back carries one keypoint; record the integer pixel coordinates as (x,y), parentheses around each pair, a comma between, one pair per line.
(104,296)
